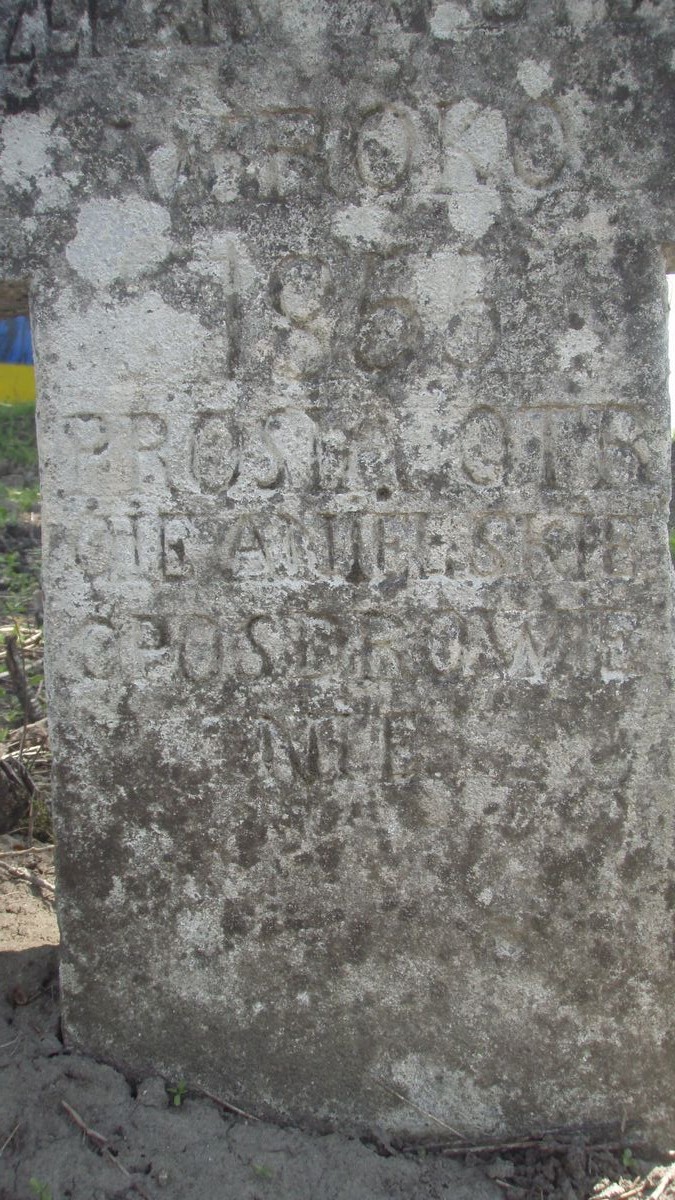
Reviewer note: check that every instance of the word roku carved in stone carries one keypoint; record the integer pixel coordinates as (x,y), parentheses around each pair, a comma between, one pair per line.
(285,151)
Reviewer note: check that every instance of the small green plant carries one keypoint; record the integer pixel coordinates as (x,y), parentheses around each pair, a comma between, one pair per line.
(628,1160)
(19,499)
(178,1093)
(39,1189)
(262,1171)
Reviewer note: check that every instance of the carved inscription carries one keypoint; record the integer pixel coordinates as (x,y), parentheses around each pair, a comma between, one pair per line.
(389,332)
(215,453)
(539,145)
(289,450)
(364,548)
(299,287)
(348,664)
(318,752)
(284,153)
(284,147)
(349,328)
(473,334)
(292,141)
(362,511)
(62,27)
(385,147)
(503,10)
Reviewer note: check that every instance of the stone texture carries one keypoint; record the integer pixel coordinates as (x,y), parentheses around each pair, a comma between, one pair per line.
(350,323)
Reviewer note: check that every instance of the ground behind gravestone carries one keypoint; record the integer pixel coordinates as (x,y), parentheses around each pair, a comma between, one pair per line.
(72,1128)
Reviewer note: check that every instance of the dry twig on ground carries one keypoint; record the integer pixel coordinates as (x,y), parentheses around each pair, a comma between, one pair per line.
(31,877)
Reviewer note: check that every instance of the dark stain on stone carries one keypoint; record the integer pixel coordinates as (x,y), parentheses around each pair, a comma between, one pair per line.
(251,836)
(236,920)
(634,863)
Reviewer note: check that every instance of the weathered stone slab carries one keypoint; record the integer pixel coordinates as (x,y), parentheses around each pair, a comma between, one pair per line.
(350,323)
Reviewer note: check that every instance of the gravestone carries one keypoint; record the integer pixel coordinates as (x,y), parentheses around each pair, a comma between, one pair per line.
(350,323)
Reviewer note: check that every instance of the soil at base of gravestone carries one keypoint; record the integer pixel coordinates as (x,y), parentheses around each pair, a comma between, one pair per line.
(72,1128)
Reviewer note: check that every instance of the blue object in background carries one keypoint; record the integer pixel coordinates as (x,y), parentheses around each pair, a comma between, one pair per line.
(17,373)
(16,345)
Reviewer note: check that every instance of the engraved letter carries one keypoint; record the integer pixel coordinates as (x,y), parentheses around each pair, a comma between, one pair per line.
(385,145)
